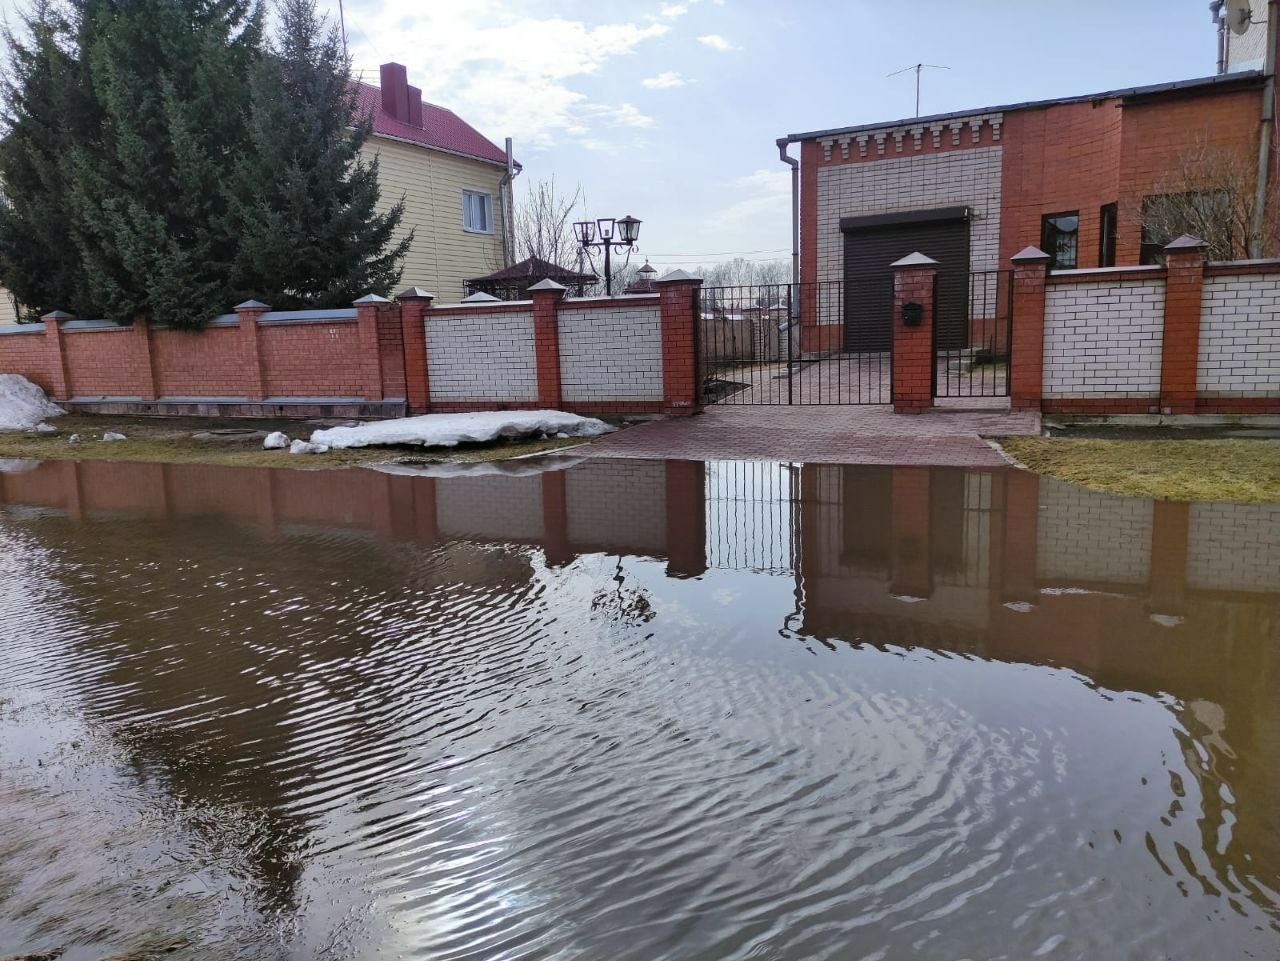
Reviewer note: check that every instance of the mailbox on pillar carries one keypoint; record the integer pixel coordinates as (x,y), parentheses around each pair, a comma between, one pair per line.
(912,314)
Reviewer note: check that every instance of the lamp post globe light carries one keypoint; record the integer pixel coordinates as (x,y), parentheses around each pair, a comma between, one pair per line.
(627,230)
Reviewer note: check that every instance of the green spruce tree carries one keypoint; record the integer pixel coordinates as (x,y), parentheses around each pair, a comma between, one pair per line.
(46,111)
(311,234)
(152,190)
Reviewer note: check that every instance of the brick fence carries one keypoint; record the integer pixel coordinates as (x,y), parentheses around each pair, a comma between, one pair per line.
(379,358)
(1184,338)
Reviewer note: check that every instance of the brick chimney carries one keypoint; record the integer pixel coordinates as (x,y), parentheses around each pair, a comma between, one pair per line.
(395,90)
(415,106)
(400,100)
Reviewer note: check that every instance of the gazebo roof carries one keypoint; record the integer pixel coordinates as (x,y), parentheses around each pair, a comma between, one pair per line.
(535,268)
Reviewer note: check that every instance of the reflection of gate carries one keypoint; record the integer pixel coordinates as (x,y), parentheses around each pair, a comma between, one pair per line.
(752,511)
(972,336)
(784,344)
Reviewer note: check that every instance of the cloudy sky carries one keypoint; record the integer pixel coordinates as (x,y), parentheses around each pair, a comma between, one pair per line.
(669,110)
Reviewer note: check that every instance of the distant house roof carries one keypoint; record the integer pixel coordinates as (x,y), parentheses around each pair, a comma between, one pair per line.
(441,129)
(535,268)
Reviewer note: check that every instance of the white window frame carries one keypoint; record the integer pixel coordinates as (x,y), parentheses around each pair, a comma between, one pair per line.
(467,195)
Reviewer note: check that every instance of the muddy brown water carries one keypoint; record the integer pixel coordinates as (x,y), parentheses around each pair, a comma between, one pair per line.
(633,710)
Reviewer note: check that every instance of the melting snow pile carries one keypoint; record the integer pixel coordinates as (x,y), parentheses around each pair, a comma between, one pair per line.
(449,430)
(23,405)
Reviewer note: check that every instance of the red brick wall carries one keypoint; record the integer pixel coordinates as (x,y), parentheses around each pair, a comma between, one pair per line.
(1157,136)
(105,363)
(27,354)
(207,363)
(319,359)
(1060,158)
(1080,156)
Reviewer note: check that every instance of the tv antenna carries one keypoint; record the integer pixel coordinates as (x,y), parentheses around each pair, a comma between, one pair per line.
(917,67)
(342,22)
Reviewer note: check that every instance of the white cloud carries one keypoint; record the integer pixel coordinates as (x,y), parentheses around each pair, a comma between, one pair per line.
(763,195)
(664,81)
(673,10)
(717,42)
(504,71)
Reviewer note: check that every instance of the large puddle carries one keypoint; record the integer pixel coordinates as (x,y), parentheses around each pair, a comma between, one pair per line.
(634,710)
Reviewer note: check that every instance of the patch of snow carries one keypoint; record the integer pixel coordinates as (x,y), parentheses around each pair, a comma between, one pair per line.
(23,405)
(1020,607)
(17,465)
(449,430)
(73,439)
(111,436)
(276,440)
(45,429)
(1165,620)
(306,447)
(515,467)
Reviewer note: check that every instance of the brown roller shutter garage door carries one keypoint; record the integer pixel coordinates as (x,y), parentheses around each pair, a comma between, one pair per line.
(871,244)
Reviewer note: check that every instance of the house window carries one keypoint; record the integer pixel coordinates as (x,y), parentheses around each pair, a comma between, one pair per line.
(1058,233)
(477,212)
(1107,236)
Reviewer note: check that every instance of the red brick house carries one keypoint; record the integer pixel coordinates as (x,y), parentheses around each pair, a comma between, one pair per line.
(1075,176)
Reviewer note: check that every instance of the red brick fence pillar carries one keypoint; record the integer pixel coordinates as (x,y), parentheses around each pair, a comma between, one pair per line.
(546,296)
(248,314)
(678,303)
(1179,357)
(59,377)
(414,304)
(1026,354)
(913,287)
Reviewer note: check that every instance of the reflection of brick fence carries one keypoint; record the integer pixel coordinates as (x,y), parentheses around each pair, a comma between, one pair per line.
(1188,337)
(596,355)
(649,508)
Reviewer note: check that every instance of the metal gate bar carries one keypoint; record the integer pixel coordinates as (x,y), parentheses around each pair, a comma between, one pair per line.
(775,344)
(980,366)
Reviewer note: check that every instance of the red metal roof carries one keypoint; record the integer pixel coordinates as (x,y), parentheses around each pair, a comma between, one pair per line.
(442,129)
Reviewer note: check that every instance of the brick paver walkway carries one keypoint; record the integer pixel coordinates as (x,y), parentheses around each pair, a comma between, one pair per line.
(823,435)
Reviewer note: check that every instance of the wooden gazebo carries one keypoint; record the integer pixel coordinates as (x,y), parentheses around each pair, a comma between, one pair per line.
(513,283)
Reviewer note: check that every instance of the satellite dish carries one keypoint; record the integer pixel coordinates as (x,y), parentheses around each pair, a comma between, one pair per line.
(1239,16)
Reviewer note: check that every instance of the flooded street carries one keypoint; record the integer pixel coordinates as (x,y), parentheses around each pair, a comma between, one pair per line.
(634,710)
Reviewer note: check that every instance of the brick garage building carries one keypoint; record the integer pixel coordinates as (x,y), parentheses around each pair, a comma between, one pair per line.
(971,189)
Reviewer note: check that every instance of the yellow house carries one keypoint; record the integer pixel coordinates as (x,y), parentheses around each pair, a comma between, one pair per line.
(455,183)
(456,186)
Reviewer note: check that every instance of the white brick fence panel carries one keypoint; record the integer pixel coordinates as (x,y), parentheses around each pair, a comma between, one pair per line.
(1103,339)
(481,356)
(611,354)
(1239,352)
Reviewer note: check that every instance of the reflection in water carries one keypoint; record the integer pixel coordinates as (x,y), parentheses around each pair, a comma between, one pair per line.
(634,710)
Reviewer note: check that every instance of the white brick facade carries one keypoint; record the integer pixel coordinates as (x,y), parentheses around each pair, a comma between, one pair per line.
(1239,352)
(1103,339)
(969,177)
(1083,535)
(480,356)
(611,354)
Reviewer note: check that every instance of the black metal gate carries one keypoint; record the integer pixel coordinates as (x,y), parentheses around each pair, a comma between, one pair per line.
(976,365)
(785,344)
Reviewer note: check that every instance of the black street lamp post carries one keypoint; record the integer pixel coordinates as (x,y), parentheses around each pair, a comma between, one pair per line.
(628,231)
